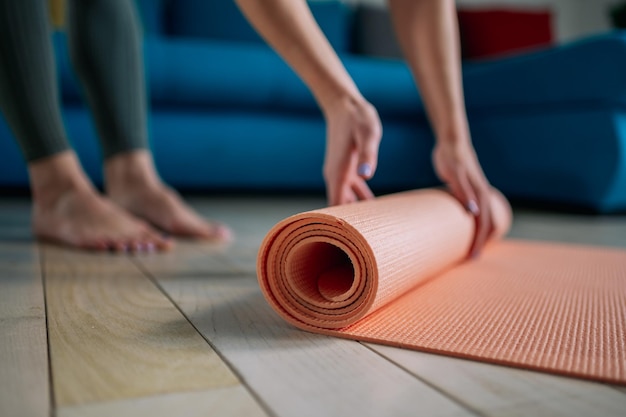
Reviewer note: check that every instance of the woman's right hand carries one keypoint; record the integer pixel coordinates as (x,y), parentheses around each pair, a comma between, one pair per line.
(457,166)
(353,134)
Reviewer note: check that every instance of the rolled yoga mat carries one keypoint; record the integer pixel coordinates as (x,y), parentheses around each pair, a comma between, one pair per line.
(393,270)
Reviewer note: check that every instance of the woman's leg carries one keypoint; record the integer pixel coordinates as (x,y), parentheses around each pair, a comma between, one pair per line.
(66,207)
(105,46)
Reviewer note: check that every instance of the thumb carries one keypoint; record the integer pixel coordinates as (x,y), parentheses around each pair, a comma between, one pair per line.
(367,146)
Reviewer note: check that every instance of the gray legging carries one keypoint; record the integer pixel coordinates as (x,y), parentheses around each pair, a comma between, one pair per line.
(105,48)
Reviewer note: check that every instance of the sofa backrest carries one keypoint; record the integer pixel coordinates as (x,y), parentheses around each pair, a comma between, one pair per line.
(221,19)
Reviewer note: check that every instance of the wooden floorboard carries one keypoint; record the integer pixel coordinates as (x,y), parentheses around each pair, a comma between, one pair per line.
(294,372)
(224,402)
(119,346)
(501,391)
(114,335)
(24,379)
(571,228)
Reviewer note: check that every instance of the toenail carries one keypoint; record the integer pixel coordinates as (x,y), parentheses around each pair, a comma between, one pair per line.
(150,247)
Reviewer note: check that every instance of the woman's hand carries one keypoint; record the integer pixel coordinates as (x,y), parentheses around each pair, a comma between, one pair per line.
(353,133)
(457,165)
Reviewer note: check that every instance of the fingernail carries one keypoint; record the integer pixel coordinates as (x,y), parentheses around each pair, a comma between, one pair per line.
(472,207)
(364,170)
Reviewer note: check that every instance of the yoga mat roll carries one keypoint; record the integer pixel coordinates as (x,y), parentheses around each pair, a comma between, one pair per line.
(394,270)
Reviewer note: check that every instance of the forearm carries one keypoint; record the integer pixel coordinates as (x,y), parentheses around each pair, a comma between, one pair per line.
(289,27)
(428,33)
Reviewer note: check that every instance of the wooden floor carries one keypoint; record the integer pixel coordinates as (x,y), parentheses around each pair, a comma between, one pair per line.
(189,334)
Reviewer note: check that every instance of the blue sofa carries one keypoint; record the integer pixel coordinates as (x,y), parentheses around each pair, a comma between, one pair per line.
(228,114)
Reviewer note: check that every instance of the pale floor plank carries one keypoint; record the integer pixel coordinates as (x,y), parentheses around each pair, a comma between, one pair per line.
(572,228)
(501,391)
(519,392)
(251,218)
(194,258)
(24,379)
(114,335)
(15,220)
(224,402)
(297,373)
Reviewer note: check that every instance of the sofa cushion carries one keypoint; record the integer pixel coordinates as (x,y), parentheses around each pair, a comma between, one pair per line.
(217,73)
(221,19)
(206,73)
(587,71)
(187,73)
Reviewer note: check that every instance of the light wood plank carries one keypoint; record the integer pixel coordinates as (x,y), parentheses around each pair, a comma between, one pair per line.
(19,255)
(114,335)
(297,373)
(24,379)
(15,221)
(248,333)
(250,219)
(223,402)
(501,391)
(572,228)
(193,258)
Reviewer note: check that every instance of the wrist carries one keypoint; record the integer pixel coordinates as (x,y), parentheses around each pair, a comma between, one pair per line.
(338,101)
(454,133)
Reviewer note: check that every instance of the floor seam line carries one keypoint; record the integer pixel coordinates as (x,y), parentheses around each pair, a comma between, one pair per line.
(264,406)
(42,269)
(431,385)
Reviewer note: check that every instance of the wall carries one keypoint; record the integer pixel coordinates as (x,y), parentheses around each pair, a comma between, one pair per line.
(573,18)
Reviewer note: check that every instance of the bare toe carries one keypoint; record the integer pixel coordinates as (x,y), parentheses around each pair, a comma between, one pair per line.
(83,219)
(165,209)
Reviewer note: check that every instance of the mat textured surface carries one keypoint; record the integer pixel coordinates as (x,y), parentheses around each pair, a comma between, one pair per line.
(393,271)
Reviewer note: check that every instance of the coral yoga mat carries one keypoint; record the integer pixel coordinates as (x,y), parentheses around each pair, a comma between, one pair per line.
(393,271)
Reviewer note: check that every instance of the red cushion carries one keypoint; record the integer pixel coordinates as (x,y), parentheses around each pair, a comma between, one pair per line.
(487,33)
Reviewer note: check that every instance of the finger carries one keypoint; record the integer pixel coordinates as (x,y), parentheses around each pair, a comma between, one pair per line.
(462,189)
(367,145)
(362,190)
(341,194)
(333,195)
(334,183)
(484,224)
(475,203)
(348,196)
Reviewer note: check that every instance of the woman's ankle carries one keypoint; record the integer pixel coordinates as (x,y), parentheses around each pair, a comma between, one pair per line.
(130,170)
(54,176)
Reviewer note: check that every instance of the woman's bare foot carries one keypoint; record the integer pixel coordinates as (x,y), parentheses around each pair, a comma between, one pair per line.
(132,183)
(67,209)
